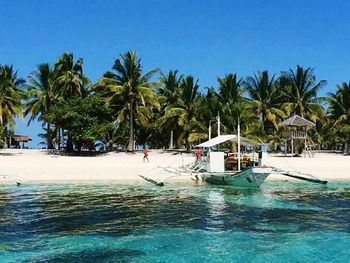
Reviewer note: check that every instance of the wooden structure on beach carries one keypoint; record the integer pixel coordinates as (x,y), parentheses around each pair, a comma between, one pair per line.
(296,132)
(16,140)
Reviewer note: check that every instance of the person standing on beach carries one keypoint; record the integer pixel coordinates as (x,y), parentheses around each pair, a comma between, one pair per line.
(199,153)
(145,154)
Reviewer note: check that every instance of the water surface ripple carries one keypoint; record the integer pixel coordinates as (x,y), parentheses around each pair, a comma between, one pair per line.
(293,222)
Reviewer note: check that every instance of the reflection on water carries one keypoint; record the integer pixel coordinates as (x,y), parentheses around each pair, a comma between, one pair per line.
(122,223)
(216,205)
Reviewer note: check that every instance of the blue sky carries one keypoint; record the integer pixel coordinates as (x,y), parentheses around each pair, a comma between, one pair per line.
(203,38)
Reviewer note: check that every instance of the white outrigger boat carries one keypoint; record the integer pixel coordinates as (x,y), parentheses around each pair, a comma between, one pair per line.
(240,171)
(215,168)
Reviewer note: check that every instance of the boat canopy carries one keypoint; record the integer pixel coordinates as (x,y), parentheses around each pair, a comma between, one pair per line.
(224,138)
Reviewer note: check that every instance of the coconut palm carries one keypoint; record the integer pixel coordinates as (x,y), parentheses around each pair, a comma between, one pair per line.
(185,112)
(70,79)
(41,95)
(230,93)
(339,109)
(130,91)
(323,135)
(10,98)
(266,98)
(208,108)
(301,93)
(170,84)
(44,135)
(10,95)
(170,94)
(230,97)
(234,108)
(230,89)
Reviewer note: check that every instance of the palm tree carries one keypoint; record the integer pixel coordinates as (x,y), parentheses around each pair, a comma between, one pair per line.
(230,96)
(208,107)
(10,98)
(130,91)
(230,89)
(266,98)
(170,84)
(324,134)
(44,135)
(185,112)
(301,93)
(170,92)
(339,109)
(235,109)
(70,79)
(41,96)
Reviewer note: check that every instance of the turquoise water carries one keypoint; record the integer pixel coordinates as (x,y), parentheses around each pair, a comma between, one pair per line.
(281,222)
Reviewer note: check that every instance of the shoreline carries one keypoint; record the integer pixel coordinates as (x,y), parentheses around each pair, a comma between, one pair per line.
(37,167)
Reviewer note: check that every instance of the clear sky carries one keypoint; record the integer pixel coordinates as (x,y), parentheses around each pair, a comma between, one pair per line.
(203,38)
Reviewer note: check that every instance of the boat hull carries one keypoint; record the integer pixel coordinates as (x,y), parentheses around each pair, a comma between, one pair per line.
(250,178)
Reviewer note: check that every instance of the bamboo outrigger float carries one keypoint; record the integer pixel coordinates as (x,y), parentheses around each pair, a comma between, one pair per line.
(247,171)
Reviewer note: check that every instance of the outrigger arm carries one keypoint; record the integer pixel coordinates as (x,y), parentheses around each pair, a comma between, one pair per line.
(299,176)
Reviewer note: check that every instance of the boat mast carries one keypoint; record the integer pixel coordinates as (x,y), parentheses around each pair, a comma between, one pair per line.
(239,146)
(209,130)
(171,140)
(218,119)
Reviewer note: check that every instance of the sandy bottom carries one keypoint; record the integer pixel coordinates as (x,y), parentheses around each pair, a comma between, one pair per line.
(37,166)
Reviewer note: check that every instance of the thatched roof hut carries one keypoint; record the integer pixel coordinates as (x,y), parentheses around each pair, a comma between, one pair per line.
(296,121)
(20,138)
(16,140)
(295,130)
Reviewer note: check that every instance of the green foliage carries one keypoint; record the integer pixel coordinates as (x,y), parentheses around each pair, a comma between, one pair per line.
(87,119)
(184,112)
(130,92)
(70,79)
(10,95)
(339,109)
(127,104)
(41,96)
(266,99)
(301,93)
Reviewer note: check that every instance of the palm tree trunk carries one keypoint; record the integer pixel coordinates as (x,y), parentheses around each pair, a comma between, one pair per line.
(69,146)
(49,138)
(131,130)
(263,121)
(187,143)
(5,138)
(58,138)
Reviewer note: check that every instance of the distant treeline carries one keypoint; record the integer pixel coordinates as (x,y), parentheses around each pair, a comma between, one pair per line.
(127,106)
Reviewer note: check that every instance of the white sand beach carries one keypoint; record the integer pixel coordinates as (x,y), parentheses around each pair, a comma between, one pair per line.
(37,166)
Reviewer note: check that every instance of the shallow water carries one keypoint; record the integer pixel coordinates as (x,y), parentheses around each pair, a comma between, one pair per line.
(281,222)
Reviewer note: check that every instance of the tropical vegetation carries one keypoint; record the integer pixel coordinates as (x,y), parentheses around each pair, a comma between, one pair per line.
(129,107)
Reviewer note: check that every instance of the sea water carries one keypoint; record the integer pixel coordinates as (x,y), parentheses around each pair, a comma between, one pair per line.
(281,222)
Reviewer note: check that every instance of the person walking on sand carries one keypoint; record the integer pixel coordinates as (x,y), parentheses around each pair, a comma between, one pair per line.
(145,154)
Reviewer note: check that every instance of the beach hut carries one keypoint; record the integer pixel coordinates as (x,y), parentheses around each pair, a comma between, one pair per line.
(295,133)
(17,139)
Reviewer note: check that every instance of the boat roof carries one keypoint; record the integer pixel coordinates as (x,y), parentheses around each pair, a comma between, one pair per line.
(224,138)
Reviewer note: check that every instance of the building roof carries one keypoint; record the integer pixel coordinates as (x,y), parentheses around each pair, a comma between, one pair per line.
(20,138)
(224,138)
(297,121)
